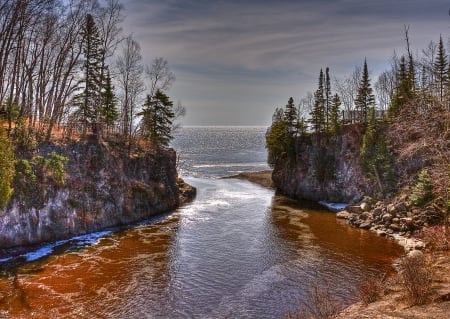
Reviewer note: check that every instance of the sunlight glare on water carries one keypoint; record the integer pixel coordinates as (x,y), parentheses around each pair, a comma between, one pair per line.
(236,251)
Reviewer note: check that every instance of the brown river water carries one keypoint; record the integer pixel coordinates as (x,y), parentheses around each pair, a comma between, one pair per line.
(237,251)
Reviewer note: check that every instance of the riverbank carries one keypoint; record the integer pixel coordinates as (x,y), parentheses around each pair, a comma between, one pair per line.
(392,304)
(262,178)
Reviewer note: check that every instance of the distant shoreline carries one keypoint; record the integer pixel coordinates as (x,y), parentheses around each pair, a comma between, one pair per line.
(262,178)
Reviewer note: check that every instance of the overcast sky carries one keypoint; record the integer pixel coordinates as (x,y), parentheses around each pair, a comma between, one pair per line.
(235,61)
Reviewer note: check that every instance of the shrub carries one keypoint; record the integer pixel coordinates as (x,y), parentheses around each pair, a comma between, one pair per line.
(416,275)
(319,304)
(422,192)
(371,289)
(7,170)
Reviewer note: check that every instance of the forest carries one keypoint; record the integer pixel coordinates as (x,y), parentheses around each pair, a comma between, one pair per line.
(68,71)
(404,116)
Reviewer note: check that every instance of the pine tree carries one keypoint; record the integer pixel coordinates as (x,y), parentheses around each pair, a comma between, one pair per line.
(365,98)
(157,117)
(335,118)
(277,137)
(404,91)
(109,108)
(327,99)
(376,157)
(89,100)
(318,120)
(441,69)
(291,117)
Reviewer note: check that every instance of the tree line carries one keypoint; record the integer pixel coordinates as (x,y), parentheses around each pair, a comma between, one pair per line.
(415,83)
(67,64)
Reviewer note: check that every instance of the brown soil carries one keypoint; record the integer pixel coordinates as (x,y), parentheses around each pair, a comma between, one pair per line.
(263,178)
(393,304)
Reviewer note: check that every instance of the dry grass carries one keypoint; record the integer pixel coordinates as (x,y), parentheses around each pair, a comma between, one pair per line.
(416,274)
(319,304)
(372,289)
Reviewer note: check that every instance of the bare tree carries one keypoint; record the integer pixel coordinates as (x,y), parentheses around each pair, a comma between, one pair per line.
(130,81)
(347,88)
(159,75)
(385,88)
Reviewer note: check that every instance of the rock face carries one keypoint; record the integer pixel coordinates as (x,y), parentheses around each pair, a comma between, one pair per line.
(102,189)
(344,180)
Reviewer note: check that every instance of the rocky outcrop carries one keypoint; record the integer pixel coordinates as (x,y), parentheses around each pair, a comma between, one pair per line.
(330,172)
(104,187)
(397,219)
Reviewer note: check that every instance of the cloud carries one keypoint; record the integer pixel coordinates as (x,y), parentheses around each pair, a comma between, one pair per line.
(225,45)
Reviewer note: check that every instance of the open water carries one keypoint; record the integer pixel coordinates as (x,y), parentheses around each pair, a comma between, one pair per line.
(236,251)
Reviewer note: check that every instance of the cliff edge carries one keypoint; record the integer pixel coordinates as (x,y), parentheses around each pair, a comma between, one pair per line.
(330,171)
(104,186)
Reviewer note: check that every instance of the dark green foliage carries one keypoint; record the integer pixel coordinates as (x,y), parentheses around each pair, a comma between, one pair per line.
(286,130)
(278,139)
(441,69)
(318,118)
(7,169)
(365,99)
(335,121)
(109,107)
(422,192)
(157,118)
(52,167)
(90,99)
(404,91)
(376,159)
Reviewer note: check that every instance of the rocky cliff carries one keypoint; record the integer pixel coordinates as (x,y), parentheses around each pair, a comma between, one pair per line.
(327,170)
(104,187)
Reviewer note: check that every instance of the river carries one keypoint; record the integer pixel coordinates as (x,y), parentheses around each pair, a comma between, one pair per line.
(236,251)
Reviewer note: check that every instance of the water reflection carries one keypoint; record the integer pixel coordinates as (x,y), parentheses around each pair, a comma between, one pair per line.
(236,251)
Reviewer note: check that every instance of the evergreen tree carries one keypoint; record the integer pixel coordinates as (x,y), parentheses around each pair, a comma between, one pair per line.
(109,107)
(291,117)
(89,100)
(157,117)
(327,99)
(335,112)
(277,137)
(365,98)
(7,168)
(441,69)
(318,120)
(404,87)
(376,157)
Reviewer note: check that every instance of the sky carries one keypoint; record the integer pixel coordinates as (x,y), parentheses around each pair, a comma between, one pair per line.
(235,61)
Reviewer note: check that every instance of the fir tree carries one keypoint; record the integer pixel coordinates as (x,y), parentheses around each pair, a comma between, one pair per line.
(441,69)
(89,100)
(404,91)
(335,118)
(157,118)
(277,138)
(291,117)
(328,97)
(376,158)
(365,98)
(109,107)
(318,120)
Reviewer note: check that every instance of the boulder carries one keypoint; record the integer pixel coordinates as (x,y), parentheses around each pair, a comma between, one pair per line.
(366,224)
(395,227)
(386,217)
(365,207)
(354,209)
(343,214)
